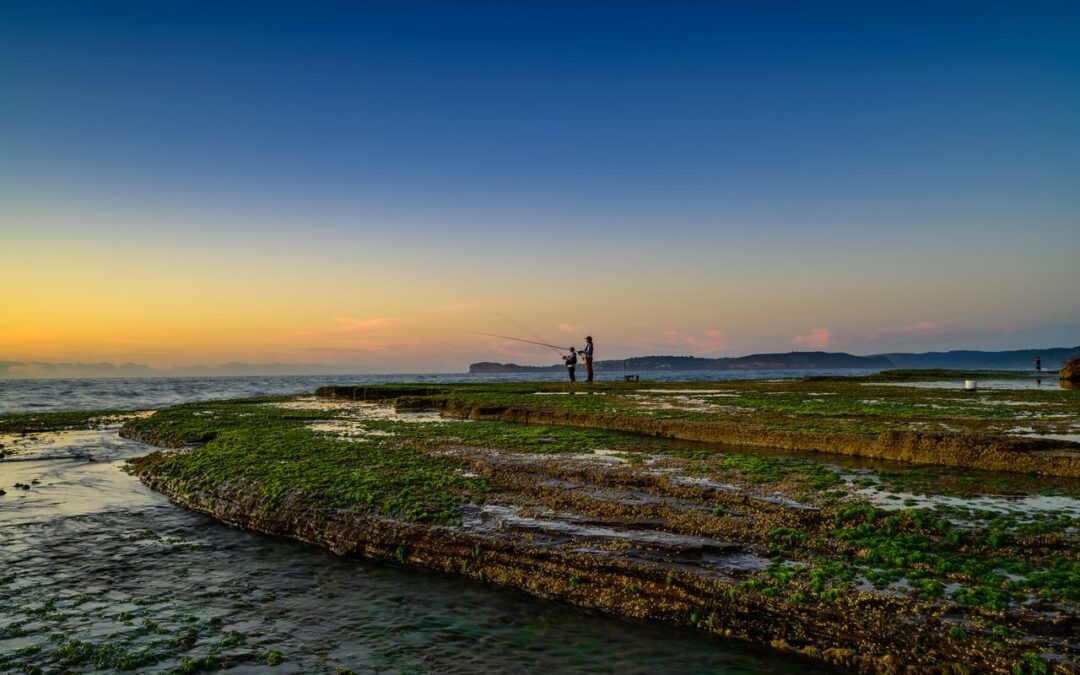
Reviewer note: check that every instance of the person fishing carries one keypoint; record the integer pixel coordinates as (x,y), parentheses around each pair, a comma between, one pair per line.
(569,359)
(571,363)
(587,353)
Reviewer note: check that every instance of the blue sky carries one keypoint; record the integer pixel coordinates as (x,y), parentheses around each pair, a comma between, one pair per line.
(907,163)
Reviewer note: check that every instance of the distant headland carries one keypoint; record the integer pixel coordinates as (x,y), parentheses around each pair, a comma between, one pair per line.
(1052,359)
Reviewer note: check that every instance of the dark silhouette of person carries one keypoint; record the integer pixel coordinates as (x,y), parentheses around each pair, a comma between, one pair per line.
(587,353)
(571,363)
(1038,364)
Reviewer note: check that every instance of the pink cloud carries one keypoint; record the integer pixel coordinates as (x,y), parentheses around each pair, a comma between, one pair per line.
(345,325)
(911,330)
(461,306)
(710,341)
(350,325)
(568,328)
(923,326)
(705,342)
(816,338)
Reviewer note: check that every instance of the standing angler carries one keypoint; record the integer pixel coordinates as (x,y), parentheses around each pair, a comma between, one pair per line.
(571,363)
(587,353)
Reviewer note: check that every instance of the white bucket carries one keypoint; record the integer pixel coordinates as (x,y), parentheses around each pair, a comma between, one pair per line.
(970,385)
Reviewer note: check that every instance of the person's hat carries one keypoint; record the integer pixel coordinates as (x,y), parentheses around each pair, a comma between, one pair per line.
(588,337)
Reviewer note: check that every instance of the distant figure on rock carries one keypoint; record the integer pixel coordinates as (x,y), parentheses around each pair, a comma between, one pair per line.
(571,363)
(1038,364)
(587,353)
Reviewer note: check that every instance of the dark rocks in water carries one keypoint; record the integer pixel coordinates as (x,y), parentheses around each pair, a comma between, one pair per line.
(1071,371)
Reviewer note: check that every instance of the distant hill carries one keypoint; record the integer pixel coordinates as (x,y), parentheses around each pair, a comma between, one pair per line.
(784,361)
(1020,359)
(964,359)
(492,367)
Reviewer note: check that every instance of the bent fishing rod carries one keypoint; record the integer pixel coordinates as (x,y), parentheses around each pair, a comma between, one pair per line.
(532,342)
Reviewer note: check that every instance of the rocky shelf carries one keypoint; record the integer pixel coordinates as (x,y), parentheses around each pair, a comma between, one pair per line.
(867,565)
(1010,429)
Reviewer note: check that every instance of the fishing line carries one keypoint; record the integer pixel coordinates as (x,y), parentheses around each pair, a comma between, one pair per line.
(532,342)
(536,338)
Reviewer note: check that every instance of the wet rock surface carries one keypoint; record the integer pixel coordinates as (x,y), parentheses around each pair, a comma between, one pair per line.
(1070,372)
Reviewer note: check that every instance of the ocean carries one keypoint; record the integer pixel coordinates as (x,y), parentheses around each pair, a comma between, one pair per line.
(156,392)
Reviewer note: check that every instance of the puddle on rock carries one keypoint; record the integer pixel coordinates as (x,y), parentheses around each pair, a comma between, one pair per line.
(1029,432)
(1031,505)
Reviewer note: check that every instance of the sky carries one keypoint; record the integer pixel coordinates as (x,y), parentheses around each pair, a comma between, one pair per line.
(366,186)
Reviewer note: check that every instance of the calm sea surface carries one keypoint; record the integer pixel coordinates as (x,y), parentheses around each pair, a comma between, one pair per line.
(156,392)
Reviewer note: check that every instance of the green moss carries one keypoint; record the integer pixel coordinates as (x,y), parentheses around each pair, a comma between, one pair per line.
(107,656)
(924,551)
(393,470)
(273,658)
(189,665)
(272,450)
(1032,665)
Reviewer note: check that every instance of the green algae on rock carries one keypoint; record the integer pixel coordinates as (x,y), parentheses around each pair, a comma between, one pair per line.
(252,446)
(783,551)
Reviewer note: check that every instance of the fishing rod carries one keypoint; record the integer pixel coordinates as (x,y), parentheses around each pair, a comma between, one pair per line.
(536,338)
(520,326)
(532,342)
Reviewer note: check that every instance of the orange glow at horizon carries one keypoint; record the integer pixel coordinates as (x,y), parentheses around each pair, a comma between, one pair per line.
(91,286)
